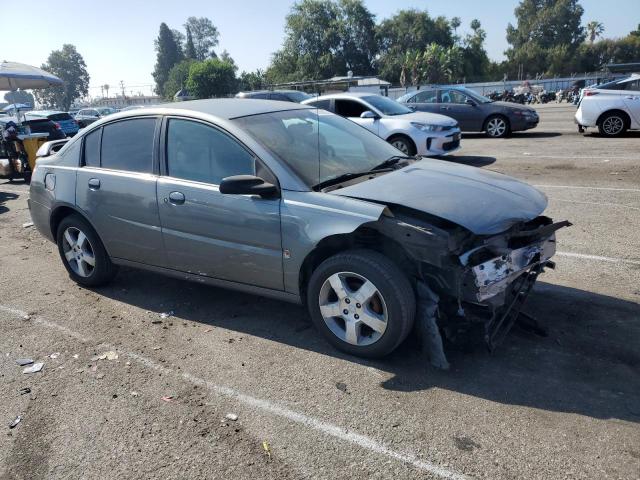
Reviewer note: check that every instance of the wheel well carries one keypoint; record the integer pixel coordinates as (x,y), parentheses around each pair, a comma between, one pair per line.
(622,113)
(404,137)
(363,237)
(58,215)
(493,115)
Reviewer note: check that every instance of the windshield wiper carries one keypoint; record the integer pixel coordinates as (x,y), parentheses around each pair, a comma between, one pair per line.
(391,161)
(339,179)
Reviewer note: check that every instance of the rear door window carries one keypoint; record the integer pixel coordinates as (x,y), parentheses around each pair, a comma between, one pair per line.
(324,104)
(128,145)
(91,157)
(349,108)
(428,96)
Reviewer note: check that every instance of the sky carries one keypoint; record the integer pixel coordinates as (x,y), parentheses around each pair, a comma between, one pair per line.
(116,38)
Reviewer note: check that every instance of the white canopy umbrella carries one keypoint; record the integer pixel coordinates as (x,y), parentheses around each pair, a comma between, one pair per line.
(15,75)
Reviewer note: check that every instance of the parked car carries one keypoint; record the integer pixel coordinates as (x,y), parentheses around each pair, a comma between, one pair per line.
(299,204)
(472,111)
(413,133)
(282,95)
(64,120)
(87,116)
(37,125)
(613,107)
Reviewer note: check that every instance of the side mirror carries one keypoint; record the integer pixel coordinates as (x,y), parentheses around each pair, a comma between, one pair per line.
(470,102)
(368,114)
(248,185)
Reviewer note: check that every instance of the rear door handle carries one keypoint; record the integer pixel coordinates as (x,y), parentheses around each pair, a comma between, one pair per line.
(94,183)
(176,198)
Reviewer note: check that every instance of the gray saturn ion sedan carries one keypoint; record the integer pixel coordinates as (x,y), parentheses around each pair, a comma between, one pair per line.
(300,204)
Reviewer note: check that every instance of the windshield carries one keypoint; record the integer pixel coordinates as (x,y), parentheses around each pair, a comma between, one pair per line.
(386,106)
(106,111)
(316,144)
(404,98)
(298,96)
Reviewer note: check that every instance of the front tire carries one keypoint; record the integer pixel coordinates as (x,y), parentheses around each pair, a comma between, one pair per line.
(612,124)
(83,253)
(361,302)
(403,144)
(497,126)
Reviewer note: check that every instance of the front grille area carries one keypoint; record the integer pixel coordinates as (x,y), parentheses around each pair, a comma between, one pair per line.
(451,145)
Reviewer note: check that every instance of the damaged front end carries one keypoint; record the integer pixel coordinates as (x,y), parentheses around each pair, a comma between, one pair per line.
(480,283)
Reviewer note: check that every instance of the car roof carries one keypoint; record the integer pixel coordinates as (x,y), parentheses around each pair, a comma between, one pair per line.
(344,95)
(44,113)
(254,92)
(224,108)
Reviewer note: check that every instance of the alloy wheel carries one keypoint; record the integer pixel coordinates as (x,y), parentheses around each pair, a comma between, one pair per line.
(353,308)
(78,252)
(401,145)
(613,125)
(496,127)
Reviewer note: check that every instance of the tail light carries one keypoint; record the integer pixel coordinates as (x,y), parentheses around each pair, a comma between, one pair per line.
(590,93)
(57,125)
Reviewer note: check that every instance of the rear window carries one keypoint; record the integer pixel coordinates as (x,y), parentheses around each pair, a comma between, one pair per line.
(128,145)
(56,117)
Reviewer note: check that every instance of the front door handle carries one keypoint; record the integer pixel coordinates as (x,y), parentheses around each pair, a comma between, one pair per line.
(94,183)
(176,198)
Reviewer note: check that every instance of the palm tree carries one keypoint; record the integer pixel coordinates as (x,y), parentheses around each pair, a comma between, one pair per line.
(594,30)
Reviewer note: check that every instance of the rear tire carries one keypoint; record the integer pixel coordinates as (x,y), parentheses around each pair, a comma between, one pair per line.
(83,253)
(612,124)
(361,302)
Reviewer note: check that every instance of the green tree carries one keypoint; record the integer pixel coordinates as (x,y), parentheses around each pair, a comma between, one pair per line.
(475,58)
(636,32)
(20,96)
(69,66)
(189,49)
(205,37)
(594,30)
(211,78)
(439,64)
(408,30)
(594,56)
(252,80)
(226,57)
(168,54)
(325,38)
(177,78)
(543,25)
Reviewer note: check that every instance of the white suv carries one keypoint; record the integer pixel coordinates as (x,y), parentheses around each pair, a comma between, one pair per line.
(613,107)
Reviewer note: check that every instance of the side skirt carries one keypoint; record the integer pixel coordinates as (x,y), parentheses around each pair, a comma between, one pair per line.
(214,282)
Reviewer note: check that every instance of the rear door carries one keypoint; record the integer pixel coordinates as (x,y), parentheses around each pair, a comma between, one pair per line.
(229,237)
(116,188)
(425,101)
(631,99)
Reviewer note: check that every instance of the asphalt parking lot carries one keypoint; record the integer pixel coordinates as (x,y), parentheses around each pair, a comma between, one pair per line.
(563,406)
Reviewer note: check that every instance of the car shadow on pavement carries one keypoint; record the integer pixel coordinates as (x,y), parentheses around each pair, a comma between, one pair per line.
(5,197)
(514,135)
(471,160)
(589,364)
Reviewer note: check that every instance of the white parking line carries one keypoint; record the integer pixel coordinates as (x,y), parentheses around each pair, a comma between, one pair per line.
(598,258)
(605,204)
(267,406)
(611,189)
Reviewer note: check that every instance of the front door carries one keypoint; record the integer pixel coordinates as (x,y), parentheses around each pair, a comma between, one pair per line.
(229,237)
(116,188)
(425,101)
(453,103)
(352,110)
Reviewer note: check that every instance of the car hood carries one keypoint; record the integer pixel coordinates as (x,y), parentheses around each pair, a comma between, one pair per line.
(513,105)
(481,201)
(425,117)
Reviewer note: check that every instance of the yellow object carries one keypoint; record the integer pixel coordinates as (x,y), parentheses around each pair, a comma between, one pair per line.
(31,146)
(267,449)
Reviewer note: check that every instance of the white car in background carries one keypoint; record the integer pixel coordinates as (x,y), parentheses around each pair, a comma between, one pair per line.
(613,107)
(413,133)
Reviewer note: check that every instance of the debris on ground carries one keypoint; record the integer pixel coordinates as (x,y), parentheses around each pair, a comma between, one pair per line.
(24,361)
(75,356)
(133,393)
(27,225)
(93,368)
(231,416)
(342,387)
(110,355)
(156,322)
(54,355)
(15,422)
(36,367)
(267,448)
(166,314)
(26,317)
(25,390)
(167,398)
